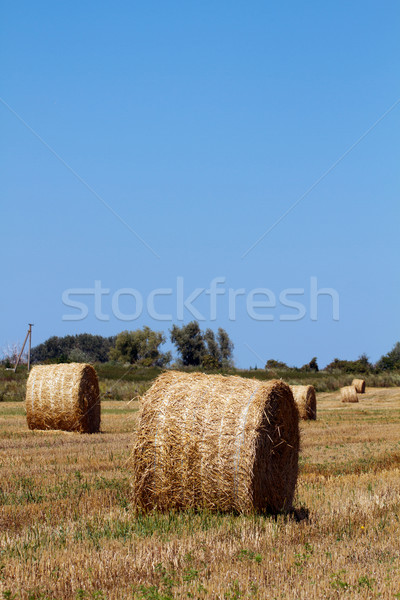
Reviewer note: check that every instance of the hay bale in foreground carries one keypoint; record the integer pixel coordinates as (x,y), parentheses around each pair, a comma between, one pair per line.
(222,443)
(359,384)
(64,396)
(305,398)
(349,394)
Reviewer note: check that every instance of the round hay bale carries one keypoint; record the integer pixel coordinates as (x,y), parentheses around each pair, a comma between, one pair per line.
(64,396)
(359,384)
(305,398)
(349,394)
(221,443)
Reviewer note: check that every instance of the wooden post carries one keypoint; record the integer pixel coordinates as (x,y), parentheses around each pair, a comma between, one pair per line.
(29,334)
(29,346)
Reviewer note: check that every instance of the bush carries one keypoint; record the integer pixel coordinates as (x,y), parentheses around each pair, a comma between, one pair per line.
(12,391)
(210,363)
(361,365)
(272,364)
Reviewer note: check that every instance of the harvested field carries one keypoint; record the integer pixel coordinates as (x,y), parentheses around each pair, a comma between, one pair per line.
(67,528)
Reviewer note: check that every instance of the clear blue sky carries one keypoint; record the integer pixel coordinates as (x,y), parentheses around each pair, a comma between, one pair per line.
(200,124)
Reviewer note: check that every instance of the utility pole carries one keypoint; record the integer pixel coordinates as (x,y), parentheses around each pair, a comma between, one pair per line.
(29,345)
(28,335)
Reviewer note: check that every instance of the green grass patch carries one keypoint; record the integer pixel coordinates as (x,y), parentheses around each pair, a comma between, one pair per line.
(370,464)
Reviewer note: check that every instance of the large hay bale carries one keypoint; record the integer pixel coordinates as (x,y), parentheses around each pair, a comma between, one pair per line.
(349,394)
(64,396)
(305,398)
(222,443)
(359,384)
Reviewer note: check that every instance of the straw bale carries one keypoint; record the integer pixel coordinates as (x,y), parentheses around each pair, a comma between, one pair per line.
(359,384)
(305,398)
(221,443)
(63,396)
(349,394)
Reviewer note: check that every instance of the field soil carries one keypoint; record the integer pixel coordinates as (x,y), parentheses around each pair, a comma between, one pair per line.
(68,528)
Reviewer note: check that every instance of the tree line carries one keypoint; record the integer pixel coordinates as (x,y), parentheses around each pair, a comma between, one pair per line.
(387,362)
(194,347)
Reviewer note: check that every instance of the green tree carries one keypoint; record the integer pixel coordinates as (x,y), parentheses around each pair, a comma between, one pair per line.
(77,355)
(225,348)
(213,348)
(391,360)
(273,364)
(364,361)
(189,343)
(311,366)
(140,347)
(83,347)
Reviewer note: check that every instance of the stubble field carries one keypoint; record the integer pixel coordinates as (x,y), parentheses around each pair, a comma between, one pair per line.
(68,529)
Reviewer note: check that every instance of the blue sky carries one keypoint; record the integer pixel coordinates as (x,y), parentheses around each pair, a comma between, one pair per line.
(200,124)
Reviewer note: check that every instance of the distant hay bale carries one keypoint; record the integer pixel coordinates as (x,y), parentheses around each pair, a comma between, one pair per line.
(64,396)
(221,443)
(305,398)
(349,394)
(359,384)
